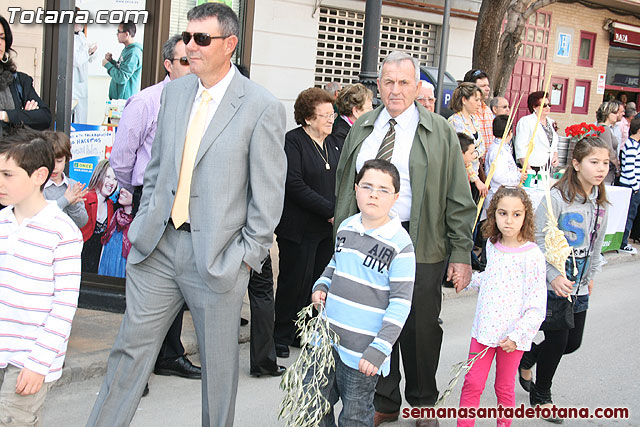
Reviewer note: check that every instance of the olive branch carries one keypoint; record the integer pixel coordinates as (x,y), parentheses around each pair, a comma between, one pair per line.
(456,371)
(303,404)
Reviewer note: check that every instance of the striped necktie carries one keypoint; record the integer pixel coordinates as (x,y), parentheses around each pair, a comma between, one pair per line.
(385,152)
(180,210)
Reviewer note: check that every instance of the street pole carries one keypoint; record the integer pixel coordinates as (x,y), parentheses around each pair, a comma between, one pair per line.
(444,47)
(65,71)
(368,72)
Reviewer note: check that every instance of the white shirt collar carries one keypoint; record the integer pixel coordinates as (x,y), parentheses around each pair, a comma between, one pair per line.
(403,120)
(218,90)
(43,217)
(65,181)
(386,231)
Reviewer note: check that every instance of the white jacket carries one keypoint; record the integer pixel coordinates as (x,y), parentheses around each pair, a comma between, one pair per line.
(542,153)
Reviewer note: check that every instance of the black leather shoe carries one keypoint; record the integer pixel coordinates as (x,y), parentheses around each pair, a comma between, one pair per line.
(282,351)
(526,384)
(278,372)
(543,399)
(146,390)
(180,367)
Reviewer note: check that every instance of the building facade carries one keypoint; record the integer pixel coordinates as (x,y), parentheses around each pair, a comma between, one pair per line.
(591,54)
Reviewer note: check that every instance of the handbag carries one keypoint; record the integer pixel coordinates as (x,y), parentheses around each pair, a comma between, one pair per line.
(559,313)
(560,309)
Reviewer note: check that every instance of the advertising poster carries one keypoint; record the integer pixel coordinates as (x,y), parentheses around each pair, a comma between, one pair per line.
(89,145)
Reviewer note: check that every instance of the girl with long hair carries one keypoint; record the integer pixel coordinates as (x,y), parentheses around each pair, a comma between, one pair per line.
(579,203)
(512,299)
(99,208)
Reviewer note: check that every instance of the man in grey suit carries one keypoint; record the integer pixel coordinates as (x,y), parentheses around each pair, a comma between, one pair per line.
(200,229)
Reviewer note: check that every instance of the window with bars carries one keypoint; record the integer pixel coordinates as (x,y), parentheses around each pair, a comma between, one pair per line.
(339,47)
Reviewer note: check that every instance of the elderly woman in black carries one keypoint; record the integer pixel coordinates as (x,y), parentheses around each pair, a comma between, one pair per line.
(304,234)
(19,102)
(352,102)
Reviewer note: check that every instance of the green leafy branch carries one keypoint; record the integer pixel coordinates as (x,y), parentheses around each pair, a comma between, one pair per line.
(303,404)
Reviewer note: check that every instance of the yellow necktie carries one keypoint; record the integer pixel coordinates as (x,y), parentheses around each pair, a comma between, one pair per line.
(180,210)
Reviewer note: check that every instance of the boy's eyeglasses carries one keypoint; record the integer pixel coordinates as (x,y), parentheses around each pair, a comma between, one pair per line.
(370,190)
(201,39)
(545,105)
(183,60)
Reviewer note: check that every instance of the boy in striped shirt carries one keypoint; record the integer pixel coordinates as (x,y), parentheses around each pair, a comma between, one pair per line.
(630,177)
(40,250)
(367,289)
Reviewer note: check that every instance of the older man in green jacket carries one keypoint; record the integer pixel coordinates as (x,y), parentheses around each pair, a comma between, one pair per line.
(435,206)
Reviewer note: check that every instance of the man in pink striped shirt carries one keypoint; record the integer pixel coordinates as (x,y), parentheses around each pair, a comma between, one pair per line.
(40,250)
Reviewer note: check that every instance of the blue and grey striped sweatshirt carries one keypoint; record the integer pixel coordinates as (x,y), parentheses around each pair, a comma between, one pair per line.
(369,285)
(630,164)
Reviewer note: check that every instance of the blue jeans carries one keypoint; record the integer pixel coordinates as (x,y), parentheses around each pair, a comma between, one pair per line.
(634,203)
(356,391)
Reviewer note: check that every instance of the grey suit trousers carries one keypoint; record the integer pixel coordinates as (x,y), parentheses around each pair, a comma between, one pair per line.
(156,289)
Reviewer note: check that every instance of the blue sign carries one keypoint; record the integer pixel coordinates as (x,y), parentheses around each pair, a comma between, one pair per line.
(564,45)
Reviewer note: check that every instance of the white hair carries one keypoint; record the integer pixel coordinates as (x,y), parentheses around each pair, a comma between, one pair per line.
(427,85)
(397,56)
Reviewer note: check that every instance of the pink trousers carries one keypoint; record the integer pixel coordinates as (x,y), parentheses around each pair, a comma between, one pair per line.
(476,378)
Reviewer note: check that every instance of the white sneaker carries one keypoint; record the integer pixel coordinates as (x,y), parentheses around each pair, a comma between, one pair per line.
(629,250)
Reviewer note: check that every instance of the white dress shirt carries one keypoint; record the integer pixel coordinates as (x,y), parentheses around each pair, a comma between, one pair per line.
(406,125)
(543,152)
(216,91)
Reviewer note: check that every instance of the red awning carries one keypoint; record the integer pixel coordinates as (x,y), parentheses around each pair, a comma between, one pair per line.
(625,35)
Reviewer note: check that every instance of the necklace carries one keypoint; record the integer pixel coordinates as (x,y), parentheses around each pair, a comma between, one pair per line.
(325,157)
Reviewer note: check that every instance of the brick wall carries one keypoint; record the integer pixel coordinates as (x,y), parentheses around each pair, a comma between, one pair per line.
(578,17)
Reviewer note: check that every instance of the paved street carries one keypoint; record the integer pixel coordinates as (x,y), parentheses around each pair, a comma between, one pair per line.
(601,373)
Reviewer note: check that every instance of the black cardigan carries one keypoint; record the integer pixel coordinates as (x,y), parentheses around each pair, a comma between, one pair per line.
(340,131)
(309,198)
(23,91)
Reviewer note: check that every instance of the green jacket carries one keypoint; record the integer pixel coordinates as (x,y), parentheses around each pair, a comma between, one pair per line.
(125,74)
(442,210)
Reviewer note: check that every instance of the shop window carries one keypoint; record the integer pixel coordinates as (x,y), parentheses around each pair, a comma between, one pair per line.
(558,96)
(581,97)
(587,48)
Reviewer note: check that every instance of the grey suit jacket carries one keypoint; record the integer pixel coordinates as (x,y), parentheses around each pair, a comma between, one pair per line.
(237,188)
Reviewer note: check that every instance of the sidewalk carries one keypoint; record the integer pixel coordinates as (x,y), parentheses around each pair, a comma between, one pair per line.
(94,332)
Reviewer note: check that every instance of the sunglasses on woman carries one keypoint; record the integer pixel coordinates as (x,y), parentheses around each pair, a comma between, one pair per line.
(201,39)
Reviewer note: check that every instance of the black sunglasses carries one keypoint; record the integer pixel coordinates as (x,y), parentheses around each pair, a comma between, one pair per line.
(183,60)
(201,39)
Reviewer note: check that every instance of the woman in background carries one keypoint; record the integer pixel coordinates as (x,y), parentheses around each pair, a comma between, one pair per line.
(545,144)
(19,101)
(466,101)
(305,231)
(353,101)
